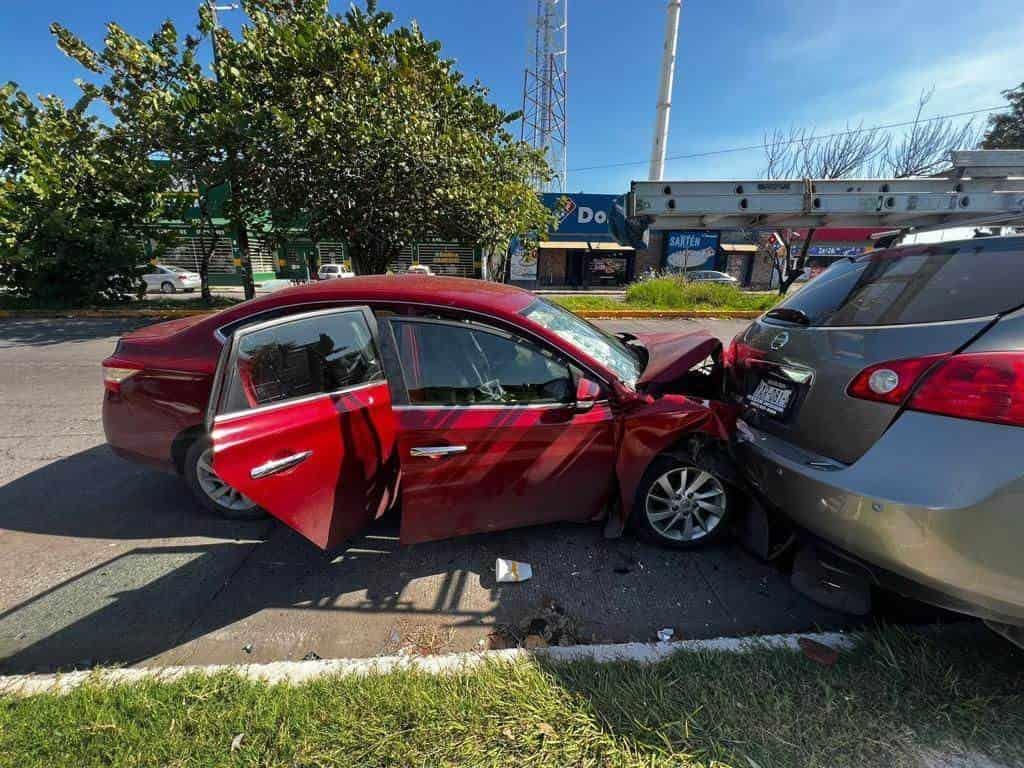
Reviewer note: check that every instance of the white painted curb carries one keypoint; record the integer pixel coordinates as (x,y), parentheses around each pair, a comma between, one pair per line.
(302,671)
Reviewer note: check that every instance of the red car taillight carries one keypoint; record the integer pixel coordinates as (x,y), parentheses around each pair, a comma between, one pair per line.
(983,386)
(113,376)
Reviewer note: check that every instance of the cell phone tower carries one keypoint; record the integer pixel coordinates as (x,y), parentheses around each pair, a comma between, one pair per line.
(545,85)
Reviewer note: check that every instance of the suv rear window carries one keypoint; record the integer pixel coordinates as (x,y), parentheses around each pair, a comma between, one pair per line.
(918,284)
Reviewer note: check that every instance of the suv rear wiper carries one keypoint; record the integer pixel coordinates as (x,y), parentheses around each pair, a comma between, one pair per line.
(789,315)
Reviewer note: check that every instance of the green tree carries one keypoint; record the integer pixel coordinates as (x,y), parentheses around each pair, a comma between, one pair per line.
(1006,131)
(373,136)
(159,94)
(76,199)
(341,126)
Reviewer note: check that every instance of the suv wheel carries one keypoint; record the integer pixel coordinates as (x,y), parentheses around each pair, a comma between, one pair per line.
(212,492)
(681,504)
(167,287)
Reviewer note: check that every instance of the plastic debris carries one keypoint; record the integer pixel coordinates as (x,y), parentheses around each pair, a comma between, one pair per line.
(511,570)
(311,656)
(666,634)
(247,647)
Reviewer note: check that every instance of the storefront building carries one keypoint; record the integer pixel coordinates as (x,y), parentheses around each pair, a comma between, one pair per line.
(299,258)
(581,253)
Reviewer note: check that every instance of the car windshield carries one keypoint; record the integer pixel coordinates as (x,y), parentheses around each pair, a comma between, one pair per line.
(601,346)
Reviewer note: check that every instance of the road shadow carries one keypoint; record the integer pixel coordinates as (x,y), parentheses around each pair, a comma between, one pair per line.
(166,590)
(96,495)
(43,332)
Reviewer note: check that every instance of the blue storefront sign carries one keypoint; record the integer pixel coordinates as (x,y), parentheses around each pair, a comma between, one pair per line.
(832,250)
(585,216)
(691,249)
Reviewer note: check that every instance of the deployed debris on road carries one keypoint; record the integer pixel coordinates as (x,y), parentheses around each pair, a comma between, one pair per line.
(508,571)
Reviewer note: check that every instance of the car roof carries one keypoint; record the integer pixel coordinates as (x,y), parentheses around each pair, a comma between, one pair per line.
(496,299)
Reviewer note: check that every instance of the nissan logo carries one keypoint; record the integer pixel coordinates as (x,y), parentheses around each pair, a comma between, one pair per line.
(780,340)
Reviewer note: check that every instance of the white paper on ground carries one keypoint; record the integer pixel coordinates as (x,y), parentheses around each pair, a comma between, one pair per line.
(511,570)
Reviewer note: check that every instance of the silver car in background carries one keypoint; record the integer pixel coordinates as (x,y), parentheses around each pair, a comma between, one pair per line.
(883,415)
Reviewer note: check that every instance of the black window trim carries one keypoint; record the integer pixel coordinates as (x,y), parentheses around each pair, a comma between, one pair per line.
(406,404)
(230,350)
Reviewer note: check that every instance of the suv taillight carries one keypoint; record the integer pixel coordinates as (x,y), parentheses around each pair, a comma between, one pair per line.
(983,386)
(889,382)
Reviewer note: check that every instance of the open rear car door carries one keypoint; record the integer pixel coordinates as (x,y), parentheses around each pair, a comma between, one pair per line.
(301,422)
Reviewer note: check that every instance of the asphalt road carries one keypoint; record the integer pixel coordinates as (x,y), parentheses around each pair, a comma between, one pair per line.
(106,561)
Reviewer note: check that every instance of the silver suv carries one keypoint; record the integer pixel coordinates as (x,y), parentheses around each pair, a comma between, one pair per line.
(883,414)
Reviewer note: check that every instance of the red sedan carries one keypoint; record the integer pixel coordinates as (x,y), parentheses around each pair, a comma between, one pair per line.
(469,405)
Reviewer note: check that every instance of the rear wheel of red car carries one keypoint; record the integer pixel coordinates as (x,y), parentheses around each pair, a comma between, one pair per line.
(212,492)
(682,503)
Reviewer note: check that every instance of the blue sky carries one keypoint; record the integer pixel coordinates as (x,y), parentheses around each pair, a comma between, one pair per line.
(744,66)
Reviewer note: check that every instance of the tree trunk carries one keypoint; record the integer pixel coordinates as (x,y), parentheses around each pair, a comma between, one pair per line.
(371,258)
(801,262)
(206,252)
(248,284)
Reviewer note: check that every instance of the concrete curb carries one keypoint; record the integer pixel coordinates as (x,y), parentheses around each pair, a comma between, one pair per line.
(293,672)
(101,314)
(593,314)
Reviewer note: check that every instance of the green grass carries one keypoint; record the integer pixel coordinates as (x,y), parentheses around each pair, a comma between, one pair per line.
(581,303)
(879,706)
(673,293)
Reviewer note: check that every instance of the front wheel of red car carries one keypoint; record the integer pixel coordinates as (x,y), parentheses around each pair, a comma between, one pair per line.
(212,492)
(682,503)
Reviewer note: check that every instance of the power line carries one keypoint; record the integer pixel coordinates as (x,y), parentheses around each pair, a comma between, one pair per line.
(751,147)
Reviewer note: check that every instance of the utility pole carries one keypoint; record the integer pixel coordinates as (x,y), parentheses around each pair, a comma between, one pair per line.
(668,66)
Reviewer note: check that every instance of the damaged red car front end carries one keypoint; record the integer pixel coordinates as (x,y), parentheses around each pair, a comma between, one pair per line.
(471,406)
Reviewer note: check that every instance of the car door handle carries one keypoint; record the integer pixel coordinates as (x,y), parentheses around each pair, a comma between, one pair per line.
(436,451)
(278,465)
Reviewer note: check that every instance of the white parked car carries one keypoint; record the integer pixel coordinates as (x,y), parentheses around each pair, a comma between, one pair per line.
(333,272)
(166,279)
(710,276)
(419,269)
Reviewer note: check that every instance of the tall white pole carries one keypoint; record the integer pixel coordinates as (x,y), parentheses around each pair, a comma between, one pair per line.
(668,66)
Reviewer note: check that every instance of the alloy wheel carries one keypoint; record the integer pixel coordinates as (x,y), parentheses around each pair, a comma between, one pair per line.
(685,504)
(216,489)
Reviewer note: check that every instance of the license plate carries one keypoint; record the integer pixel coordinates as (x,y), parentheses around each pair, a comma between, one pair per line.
(771,397)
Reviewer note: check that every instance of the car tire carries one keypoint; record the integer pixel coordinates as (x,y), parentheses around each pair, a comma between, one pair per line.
(683,518)
(167,287)
(208,489)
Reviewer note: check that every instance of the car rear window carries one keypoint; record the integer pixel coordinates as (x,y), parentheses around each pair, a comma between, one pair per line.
(911,285)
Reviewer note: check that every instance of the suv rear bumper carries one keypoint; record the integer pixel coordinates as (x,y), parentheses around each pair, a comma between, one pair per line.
(933,510)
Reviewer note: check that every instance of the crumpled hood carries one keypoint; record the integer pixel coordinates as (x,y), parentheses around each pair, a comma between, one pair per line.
(670,355)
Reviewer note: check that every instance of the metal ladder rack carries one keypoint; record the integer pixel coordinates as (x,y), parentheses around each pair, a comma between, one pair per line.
(984,187)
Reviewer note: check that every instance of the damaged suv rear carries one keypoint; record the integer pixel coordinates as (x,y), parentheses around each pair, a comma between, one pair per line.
(884,417)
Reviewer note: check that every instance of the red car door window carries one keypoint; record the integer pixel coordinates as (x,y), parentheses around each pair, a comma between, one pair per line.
(304,425)
(491,437)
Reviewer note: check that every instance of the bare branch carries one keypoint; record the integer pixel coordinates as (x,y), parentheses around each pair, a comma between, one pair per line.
(924,149)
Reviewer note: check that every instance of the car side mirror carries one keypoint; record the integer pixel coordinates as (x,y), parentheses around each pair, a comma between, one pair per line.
(588,392)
